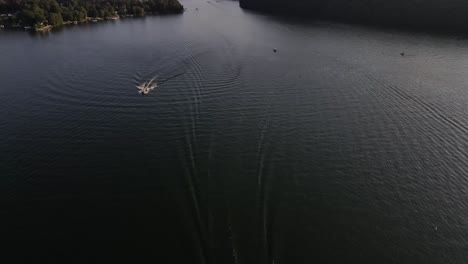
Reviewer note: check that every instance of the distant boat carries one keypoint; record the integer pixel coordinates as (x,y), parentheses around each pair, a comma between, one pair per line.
(147,87)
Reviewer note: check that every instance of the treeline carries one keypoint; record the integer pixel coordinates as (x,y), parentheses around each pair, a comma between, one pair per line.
(443,14)
(54,12)
(9,6)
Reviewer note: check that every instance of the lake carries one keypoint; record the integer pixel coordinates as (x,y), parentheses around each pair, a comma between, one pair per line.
(334,149)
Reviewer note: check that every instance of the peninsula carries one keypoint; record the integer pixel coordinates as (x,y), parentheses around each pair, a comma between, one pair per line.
(46,14)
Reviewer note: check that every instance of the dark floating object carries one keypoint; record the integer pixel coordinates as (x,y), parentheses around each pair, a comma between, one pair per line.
(402,54)
(275,50)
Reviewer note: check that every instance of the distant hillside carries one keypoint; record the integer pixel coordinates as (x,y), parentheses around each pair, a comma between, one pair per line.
(411,13)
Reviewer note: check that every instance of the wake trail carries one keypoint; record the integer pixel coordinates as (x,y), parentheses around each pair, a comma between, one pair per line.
(261,182)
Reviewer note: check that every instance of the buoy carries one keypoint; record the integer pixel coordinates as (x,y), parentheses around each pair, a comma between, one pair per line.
(402,54)
(275,50)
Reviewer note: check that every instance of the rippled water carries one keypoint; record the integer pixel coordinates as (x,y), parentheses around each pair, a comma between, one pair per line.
(335,149)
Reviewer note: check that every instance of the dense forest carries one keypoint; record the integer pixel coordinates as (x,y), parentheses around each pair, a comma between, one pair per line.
(446,14)
(40,13)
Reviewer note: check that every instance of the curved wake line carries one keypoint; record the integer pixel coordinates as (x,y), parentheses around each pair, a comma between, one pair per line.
(194,195)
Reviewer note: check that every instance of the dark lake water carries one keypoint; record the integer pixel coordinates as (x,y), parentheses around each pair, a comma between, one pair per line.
(335,149)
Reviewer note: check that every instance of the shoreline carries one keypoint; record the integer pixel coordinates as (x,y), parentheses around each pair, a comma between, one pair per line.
(405,16)
(89,20)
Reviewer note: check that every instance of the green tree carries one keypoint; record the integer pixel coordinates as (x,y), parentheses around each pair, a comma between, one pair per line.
(79,15)
(122,9)
(38,15)
(67,15)
(83,14)
(92,12)
(138,11)
(27,17)
(55,19)
(54,7)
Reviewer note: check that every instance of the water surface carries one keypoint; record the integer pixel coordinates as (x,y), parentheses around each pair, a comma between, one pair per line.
(335,149)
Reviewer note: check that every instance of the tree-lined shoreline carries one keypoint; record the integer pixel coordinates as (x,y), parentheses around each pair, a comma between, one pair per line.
(430,15)
(46,14)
